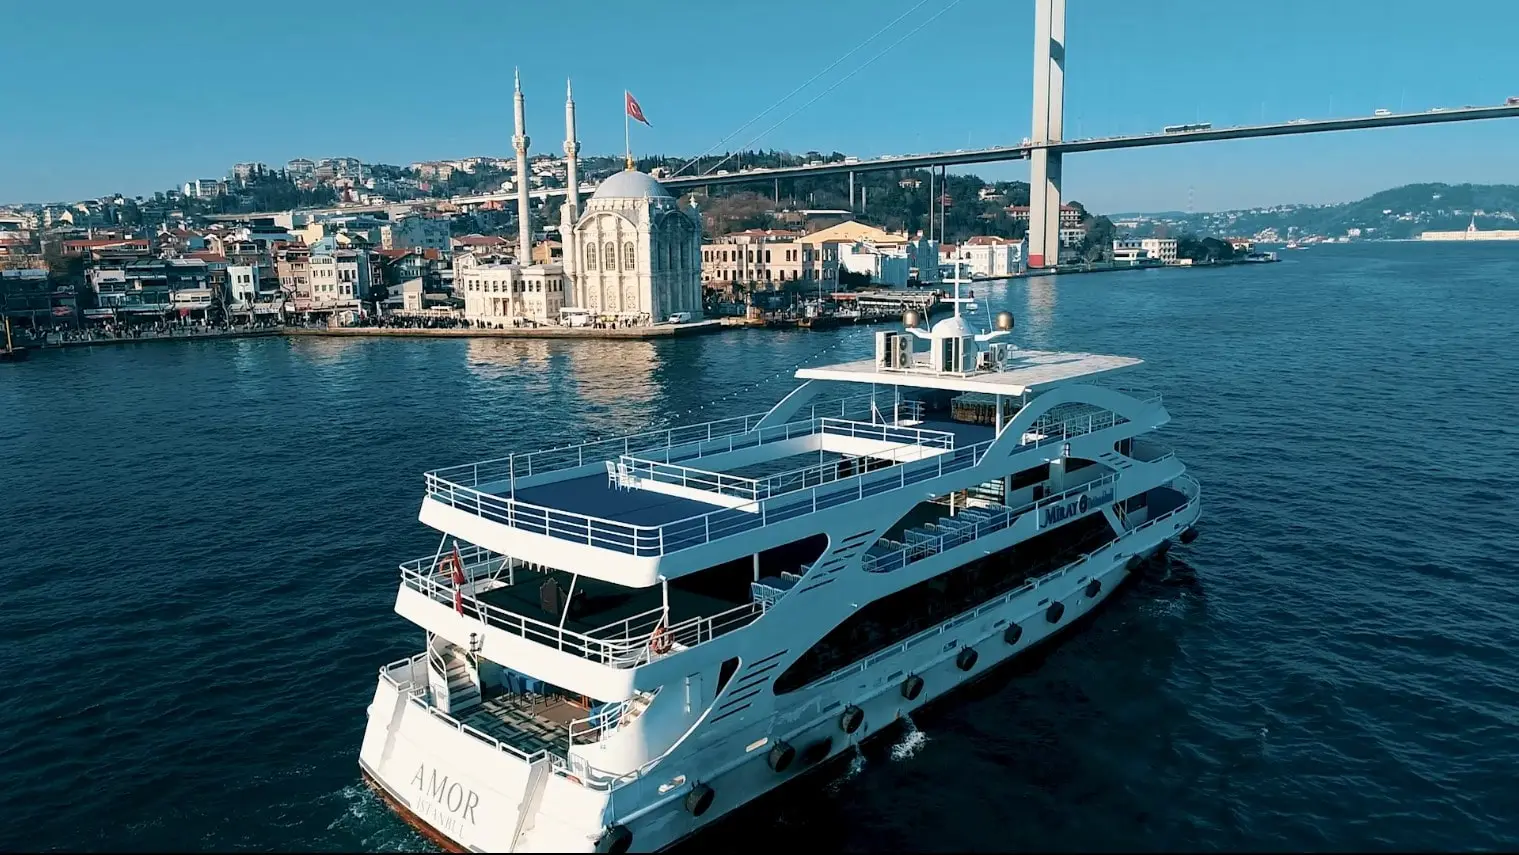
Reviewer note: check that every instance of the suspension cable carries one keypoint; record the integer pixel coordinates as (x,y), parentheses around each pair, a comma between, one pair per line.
(792,93)
(836,84)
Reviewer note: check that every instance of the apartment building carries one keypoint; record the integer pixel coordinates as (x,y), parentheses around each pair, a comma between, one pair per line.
(769,257)
(293,263)
(1069,217)
(416,232)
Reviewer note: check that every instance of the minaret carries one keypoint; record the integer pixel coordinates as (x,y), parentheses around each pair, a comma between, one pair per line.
(571,151)
(570,213)
(519,142)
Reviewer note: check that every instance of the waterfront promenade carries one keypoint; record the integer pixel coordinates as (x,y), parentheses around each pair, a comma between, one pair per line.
(626,333)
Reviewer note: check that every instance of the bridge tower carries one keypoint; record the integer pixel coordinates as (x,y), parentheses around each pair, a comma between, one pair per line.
(1049,117)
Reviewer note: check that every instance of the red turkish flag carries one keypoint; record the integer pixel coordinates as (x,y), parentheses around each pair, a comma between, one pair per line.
(634,110)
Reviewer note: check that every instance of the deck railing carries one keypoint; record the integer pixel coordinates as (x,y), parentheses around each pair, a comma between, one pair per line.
(618,644)
(1189,487)
(1005,518)
(654,540)
(623,643)
(514,466)
(417,693)
(907,442)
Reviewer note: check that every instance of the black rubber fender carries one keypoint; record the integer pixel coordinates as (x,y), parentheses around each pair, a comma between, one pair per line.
(1135,562)
(780,756)
(1055,612)
(699,799)
(615,840)
(1012,634)
(1094,588)
(851,719)
(1188,535)
(912,687)
(967,659)
(817,751)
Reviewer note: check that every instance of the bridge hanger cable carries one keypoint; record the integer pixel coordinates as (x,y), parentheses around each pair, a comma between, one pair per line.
(837,83)
(661,421)
(792,93)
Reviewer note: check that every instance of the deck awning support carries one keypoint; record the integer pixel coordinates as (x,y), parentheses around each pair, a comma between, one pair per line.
(569,598)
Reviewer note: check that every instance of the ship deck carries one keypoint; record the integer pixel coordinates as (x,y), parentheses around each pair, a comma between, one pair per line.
(527,722)
(595,496)
(1034,370)
(597,605)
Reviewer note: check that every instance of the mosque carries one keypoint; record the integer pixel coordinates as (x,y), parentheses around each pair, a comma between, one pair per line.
(632,256)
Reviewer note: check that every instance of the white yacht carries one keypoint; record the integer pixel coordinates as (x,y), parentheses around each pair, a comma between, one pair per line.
(628,639)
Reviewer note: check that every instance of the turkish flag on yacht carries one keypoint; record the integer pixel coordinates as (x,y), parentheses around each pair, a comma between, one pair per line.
(634,110)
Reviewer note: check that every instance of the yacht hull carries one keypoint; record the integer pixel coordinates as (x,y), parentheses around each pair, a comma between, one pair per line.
(406,749)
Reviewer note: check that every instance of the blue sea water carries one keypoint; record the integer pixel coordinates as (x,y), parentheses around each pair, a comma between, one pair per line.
(198,543)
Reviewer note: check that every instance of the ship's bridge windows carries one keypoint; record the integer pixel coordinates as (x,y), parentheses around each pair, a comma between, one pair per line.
(1029,477)
(1076,464)
(899,615)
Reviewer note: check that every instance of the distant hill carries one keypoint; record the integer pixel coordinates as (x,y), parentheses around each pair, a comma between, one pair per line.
(1402,212)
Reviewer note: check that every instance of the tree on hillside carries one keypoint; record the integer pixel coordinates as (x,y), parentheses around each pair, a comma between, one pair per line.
(1205,250)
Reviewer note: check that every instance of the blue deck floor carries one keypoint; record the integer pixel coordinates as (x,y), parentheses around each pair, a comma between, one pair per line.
(594,496)
(965,434)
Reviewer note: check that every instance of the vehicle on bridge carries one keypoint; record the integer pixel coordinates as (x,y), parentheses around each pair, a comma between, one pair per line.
(1513,101)
(1382,112)
(1182,129)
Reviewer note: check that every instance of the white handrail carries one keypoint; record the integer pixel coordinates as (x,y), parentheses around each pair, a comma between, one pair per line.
(913,552)
(647,540)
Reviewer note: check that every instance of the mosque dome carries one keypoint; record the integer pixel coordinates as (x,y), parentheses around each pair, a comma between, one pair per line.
(630,184)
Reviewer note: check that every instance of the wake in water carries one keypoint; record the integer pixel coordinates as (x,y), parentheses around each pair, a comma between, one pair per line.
(856,766)
(369,824)
(912,741)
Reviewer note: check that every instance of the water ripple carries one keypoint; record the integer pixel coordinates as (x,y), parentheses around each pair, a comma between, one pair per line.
(200,545)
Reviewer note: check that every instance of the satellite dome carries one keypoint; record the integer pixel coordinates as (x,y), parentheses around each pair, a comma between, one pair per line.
(953,326)
(630,184)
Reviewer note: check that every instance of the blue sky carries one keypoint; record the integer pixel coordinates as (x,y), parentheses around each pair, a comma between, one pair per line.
(132,100)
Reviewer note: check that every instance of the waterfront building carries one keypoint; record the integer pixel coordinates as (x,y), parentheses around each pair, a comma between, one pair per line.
(242,286)
(498,292)
(758,256)
(885,265)
(1133,249)
(293,263)
(341,278)
(1472,233)
(29,299)
(987,255)
(634,254)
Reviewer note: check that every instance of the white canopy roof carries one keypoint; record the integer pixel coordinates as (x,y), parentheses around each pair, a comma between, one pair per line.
(1025,371)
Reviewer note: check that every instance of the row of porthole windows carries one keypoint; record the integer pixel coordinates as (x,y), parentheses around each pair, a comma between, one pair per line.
(609,256)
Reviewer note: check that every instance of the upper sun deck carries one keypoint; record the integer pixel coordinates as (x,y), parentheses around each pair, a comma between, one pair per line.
(661,492)
(1017,372)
